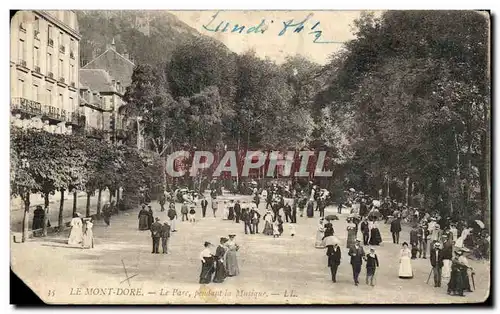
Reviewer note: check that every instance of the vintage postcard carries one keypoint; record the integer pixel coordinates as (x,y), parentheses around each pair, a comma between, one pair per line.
(251,157)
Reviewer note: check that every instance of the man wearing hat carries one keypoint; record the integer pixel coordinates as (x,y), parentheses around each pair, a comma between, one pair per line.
(356,253)
(436,257)
(436,234)
(156,235)
(184,211)
(423,234)
(165,236)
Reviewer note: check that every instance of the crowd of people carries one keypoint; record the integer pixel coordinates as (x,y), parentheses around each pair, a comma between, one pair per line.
(443,240)
(445,248)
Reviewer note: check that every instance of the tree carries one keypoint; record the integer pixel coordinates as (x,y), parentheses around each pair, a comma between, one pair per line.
(49,162)
(415,85)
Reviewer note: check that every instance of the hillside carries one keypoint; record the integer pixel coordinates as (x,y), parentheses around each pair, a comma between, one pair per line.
(146,36)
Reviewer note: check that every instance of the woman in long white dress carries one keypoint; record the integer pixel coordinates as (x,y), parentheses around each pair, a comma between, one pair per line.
(405,269)
(460,241)
(319,235)
(76,234)
(225,213)
(88,236)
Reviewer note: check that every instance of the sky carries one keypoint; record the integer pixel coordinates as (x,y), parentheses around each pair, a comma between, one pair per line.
(335,27)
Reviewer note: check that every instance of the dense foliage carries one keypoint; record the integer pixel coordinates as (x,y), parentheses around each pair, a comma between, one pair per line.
(403,108)
(46,162)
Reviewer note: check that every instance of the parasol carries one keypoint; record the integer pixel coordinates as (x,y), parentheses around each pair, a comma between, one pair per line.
(331,240)
(352,190)
(376,203)
(480,223)
(331,217)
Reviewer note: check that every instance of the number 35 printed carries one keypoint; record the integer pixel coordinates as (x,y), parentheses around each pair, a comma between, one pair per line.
(52,293)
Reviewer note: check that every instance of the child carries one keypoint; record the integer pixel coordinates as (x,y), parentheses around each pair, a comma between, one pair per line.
(192,213)
(276,232)
(293,231)
(371,265)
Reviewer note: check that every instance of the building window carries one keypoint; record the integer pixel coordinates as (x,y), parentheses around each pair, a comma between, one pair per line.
(60,103)
(22,50)
(20,87)
(72,104)
(49,63)
(71,73)
(72,48)
(49,34)
(49,97)
(37,24)
(61,68)
(35,92)
(36,59)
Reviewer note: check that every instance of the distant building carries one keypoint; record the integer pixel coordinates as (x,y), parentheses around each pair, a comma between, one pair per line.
(117,65)
(110,74)
(44,65)
(101,98)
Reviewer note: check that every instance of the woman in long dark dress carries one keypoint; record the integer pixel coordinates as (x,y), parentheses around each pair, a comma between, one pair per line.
(150,217)
(220,269)
(230,216)
(375,238)
(38,217)
(456,285)
(310,209)
(207,264)
(143,218)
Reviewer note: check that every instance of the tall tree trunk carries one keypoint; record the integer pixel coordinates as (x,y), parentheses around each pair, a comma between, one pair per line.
(26,199)
(99,195)
(61,209)
(46,215)
(485,169)
(87,213)
(388,185)
(75,198)
(407,189)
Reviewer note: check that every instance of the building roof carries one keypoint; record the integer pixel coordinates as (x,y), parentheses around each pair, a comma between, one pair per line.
(96,80)
(118,66)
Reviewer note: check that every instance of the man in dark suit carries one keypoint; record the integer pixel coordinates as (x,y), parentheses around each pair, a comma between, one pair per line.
(245,216)
(365,230)
(395,230)
(414,241)
(204,205)
(363,209)
(165,236)
(436,256)
(423,234)
(334,254)
(254,219)
(288,213)
(356,253)
(321,207)
(156,235)
(237,211)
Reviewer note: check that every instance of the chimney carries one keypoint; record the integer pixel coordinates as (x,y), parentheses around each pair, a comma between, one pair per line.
(113,46)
